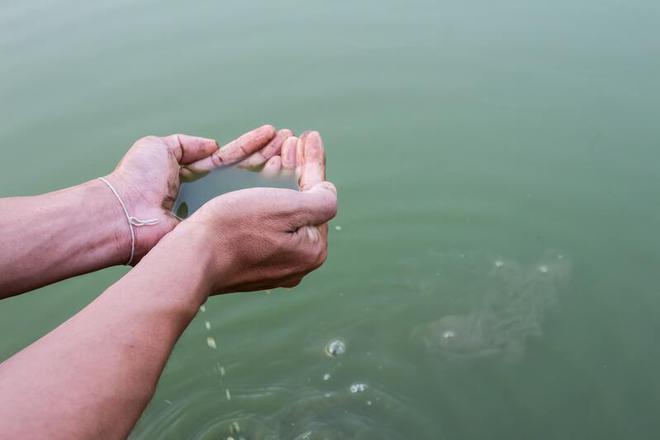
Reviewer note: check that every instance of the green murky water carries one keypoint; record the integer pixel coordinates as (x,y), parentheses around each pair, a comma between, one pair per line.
(494,269)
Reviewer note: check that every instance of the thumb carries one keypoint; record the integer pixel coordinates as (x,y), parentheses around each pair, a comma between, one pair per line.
(317,205)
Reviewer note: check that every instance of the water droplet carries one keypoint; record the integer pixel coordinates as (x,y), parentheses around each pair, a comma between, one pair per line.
(543,268)
(228,394)
(202,308)
(326,376)
(210,341)
(335,348)
(207,324)
(499,263)
(369,402)
(337,228)
(222,371)
(358,388)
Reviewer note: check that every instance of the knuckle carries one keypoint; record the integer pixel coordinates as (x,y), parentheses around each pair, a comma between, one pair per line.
(217,159)
(323,256)
(317,257)
(292,283)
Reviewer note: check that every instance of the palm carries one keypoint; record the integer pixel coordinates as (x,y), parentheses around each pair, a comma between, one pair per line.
(149,175)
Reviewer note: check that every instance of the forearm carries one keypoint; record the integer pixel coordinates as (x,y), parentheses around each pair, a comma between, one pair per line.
(53,236)
(93,376)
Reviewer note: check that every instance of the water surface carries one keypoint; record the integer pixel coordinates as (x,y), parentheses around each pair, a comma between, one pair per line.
(459,135)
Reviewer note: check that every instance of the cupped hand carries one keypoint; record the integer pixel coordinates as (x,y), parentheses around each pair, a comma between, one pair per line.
(263,238)
(149,175)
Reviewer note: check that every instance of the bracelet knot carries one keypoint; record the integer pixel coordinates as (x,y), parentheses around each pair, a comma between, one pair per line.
(132,221)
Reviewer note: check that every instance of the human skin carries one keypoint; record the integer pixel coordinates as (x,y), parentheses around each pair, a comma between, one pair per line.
(93,375)
(50,237)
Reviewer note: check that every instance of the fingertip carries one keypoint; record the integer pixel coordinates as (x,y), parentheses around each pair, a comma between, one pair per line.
(328,186)
(322,187)
(326,194)
(268,128)
(210,145)
(187,174)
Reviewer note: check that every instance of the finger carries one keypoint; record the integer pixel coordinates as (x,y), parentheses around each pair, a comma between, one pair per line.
(314,206)
(300,154)
(187,175)
(272,167)
(310,161)
(188,149)
(258,159)
(313,245)
(289,154)
(236,150)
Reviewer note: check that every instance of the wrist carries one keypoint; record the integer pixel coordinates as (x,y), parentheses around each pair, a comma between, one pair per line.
(211,248)
(108,221)
(135,209)
(182,260)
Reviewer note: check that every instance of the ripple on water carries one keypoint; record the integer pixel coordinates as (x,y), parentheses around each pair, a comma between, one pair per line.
(335,347)
(351,411)
(509,301)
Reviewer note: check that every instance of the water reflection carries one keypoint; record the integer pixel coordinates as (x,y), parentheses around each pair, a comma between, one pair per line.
(194,194)
(509,302)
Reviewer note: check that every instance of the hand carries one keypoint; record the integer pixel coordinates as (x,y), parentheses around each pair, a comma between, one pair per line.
(148,177)
(263,238)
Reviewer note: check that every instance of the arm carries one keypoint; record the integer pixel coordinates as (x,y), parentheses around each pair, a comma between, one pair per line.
(58,235)
(93,376)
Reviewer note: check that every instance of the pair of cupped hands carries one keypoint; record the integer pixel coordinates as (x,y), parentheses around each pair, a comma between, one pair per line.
(257,238)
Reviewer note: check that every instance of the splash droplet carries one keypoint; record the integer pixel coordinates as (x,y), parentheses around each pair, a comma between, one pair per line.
(210,341)
(358,388)
(335,348)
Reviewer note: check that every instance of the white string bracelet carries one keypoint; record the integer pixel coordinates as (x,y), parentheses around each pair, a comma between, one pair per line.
(132,221)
